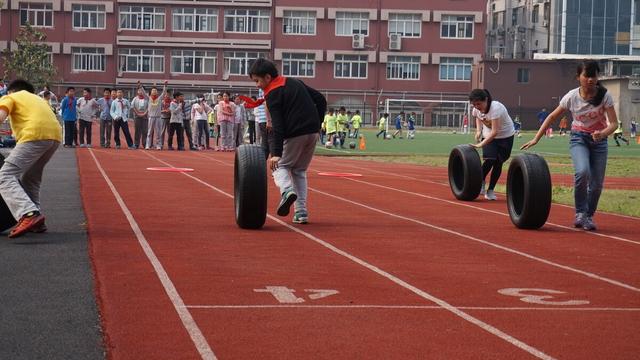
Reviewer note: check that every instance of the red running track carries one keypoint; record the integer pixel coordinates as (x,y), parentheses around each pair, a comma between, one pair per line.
(407,271)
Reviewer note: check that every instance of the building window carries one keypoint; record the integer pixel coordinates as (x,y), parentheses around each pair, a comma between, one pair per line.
(455,69)
(38,15)
(535,14)
(456,27)
(403,68)
(301,65)
(299,22)
(193,62)
(239,62)
(141,60)
(88,16)
(350,23)
(195,19)
(141,18)
(523,75)
(246,21)
(88,59)
(407,25)
(351,66)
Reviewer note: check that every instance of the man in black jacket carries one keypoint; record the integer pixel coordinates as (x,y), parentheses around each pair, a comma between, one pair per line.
(295,111)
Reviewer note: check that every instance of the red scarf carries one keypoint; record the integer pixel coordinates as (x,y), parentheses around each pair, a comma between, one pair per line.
(154,97)
(277,82)
(87,97)
(141,97)
(72,101)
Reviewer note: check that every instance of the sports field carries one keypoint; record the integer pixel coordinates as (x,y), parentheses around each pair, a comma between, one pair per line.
(432,148)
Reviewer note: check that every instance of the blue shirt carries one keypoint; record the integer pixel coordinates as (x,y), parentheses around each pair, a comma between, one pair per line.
(398,122)
(120,109)
(69,109)
(411,123)
(105,108)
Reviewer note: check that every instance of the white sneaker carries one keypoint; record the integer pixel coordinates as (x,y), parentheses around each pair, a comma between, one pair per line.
(490,195)
(483,189)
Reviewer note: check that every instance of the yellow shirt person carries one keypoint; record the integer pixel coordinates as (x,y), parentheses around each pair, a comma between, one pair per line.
(331,123)
(31,117)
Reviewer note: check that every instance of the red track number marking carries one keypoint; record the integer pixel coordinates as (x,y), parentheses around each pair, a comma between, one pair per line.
(541,296)
(284,295)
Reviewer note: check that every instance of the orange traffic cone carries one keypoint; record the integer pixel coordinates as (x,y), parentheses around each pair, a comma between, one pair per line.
(638,140)
(363,143)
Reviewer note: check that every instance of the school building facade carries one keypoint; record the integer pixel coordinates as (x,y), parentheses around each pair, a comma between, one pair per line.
(357,53)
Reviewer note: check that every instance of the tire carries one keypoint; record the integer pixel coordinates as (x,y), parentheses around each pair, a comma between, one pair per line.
(6,219)
(465,172)
(250,187)
(528,191)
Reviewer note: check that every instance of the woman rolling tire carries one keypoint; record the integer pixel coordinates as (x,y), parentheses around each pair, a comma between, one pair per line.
(465,172)
(6,219)
(528,191)
(250,186)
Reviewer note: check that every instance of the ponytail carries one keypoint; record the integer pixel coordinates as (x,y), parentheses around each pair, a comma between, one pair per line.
(600,92)
(481,95)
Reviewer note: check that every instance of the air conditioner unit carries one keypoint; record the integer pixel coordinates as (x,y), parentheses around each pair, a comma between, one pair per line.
(395,42)
(357,42)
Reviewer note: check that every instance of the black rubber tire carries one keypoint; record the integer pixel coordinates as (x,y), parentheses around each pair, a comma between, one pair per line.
(528,191)
(6,219)
(250,186)
(465,172)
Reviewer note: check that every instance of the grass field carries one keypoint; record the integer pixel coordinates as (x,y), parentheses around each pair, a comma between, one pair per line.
(432,148)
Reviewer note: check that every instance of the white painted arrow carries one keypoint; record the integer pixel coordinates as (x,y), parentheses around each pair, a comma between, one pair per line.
(319,293)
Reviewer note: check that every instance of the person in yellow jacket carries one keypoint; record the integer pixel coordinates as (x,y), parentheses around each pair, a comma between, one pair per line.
(342,121)
(331,126)
(382,126)
(618,135)
(38,135)
(356,122)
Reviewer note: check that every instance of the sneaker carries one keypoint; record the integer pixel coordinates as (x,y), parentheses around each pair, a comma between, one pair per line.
(288,198)
(117,146)
(27,223)
(490,195)
(579,221)
(588,224)
(300,218)
(483,189)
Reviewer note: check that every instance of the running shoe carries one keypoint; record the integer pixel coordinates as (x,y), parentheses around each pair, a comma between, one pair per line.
(288,198)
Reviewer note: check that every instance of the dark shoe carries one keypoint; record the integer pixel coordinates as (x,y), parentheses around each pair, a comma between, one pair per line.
(300,218)
(288,198)
(579,221)
(26,224)
(588,224)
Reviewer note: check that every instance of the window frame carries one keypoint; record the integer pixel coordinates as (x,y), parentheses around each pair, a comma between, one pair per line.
(447,20)
(247,22)
(28,9)
(520,75)
(95,52)
(210,56)
(309,60)
(345,59)
(456,66)
(244,60)
(342,18)
(100,13)
(123,59)
(310,19)
(141,17)
(409,61)
(196,19)
(404,23)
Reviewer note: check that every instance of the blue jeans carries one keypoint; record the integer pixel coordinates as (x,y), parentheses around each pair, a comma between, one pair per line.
(590,163)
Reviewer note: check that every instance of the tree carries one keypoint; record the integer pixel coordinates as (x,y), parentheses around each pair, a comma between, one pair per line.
(30,61)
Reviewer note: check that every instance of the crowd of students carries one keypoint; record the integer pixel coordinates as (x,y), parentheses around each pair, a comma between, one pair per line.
(159,117)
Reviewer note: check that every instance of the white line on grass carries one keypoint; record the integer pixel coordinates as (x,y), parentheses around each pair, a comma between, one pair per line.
(415,307)
(185,316)
(485,326)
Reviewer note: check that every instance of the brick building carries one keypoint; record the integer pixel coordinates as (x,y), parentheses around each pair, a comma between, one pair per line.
(357,53)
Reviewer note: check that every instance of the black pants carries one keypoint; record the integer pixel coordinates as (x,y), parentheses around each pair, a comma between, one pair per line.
(85,128)
(266,138)
(70,133)
(202,133)
(176,128)
(218,135)
(495,154)
(188,132)
(121,124)
(140,130)
(105,132)
(252,132)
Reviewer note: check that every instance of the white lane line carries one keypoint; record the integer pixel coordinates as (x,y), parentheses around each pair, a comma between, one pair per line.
(185,316)
(414,307)
(481,324)
(472,238)
(459,203)
(485,242)
(446,183)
